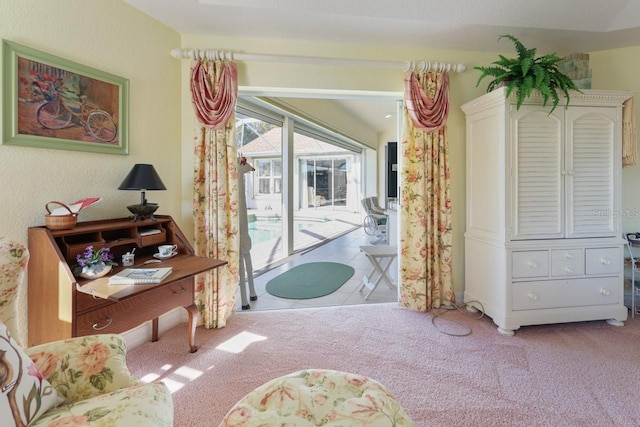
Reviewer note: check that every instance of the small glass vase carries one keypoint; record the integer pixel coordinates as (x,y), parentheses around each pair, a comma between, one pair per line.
(91,273)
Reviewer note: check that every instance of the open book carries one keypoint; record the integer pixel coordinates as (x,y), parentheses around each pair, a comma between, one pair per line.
(140,276)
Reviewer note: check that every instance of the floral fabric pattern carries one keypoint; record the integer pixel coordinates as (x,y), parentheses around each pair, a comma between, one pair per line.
(141,405)
(13,264)
(91,375)
(215,211)
(84,367)
(425,212)
(25,394)
(316,397)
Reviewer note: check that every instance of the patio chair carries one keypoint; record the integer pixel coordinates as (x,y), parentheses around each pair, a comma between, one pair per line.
(376,221)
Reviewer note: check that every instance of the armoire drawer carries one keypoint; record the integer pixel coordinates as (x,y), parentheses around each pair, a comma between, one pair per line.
(603,261)
(131,312)
(529,264)
(567,262)
(565,293)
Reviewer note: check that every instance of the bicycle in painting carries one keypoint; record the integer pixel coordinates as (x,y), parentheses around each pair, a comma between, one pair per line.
(65,107)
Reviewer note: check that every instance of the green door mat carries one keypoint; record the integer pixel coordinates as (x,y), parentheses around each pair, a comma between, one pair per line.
(311,280)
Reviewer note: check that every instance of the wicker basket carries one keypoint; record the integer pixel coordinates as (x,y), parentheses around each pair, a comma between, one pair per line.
(60,222)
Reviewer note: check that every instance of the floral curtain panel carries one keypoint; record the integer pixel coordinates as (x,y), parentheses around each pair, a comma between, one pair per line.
(425,205)
(629,139)
(214,87)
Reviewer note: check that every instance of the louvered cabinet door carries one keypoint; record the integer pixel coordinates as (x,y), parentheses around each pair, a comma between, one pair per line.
(590,172)
(536,173)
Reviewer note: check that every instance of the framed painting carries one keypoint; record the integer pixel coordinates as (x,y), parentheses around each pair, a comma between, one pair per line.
(51,102)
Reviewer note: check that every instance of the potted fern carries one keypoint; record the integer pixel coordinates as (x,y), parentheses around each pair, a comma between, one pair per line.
(526,74)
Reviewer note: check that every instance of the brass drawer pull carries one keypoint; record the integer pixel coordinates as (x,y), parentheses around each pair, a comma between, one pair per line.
(96,328)
(181,291)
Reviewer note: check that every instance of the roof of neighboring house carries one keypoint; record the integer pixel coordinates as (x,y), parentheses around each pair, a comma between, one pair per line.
(271,142)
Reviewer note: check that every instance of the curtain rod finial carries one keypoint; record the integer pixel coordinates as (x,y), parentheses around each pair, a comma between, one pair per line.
(177,53)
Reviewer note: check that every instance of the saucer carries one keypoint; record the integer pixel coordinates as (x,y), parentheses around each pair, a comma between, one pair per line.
(158,256)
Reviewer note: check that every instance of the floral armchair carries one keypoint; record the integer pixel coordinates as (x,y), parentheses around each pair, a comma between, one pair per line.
(80,381)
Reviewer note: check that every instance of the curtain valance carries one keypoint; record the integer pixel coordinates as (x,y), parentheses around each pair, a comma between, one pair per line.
(426,113)
(214,104)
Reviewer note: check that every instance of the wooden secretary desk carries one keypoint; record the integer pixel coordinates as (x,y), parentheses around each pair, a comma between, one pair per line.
(58,310)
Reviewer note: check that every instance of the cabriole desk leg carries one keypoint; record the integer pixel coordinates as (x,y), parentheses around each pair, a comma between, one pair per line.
(193,321)
(154,330)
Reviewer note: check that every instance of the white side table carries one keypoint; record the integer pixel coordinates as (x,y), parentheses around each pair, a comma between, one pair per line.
(381,257)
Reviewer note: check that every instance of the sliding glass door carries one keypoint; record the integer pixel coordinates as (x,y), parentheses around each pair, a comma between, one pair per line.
(326,193)
(326,181)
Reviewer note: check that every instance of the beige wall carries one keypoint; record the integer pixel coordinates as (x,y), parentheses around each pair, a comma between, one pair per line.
(113,37)
(618,69)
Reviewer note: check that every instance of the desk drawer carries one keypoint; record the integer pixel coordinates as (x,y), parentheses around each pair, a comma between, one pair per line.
(86,302)
(154,239)
(131,312)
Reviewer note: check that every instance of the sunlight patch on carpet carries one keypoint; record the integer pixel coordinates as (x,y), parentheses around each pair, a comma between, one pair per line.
(172,385)
(238,343)
(149,378)
(188,373)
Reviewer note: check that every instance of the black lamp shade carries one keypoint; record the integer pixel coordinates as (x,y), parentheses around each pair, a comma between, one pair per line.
(142,177)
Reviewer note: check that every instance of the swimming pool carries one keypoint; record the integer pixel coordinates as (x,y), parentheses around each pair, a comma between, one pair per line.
(265,229)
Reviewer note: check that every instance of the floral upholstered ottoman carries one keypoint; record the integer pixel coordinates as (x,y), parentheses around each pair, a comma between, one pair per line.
(314,397)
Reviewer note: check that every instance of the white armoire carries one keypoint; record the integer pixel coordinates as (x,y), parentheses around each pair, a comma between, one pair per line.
(543,242)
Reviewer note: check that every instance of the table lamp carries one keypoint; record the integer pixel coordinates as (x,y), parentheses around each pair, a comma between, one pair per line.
(142,177)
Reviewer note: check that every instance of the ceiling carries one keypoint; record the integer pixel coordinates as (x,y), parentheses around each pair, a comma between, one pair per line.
(561,26)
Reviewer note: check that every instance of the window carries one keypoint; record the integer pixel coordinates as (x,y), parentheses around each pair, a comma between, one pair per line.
(269,172)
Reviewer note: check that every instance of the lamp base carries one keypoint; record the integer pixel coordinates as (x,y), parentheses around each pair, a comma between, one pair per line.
(140,211)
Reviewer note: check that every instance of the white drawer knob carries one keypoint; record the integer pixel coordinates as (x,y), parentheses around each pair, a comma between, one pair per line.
(532,296)
(568,270)
(568,256)
(533,264)
(604,291)
(605,261)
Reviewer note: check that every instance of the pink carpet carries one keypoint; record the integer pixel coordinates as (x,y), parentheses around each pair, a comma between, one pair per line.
(576,374)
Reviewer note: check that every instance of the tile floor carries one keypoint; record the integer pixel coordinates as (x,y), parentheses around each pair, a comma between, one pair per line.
(344,249)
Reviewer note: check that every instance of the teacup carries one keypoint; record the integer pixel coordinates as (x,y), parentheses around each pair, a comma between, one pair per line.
(167,250)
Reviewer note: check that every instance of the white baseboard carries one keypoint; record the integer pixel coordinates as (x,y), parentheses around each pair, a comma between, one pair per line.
(142,334)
